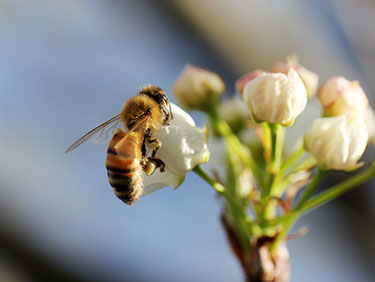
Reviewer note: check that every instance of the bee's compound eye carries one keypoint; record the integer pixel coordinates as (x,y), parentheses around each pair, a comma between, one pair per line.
(161,97)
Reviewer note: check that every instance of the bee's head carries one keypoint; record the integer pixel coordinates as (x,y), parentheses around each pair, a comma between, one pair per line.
(160,97)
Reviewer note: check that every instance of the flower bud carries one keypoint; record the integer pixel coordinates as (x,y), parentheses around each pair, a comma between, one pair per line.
(338,142)
(197,86)
(235,113)
(370,122)
(309,78)
(339,96)
(276,97)
(243,80)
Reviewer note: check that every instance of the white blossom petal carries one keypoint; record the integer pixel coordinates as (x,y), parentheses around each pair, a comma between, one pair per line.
(180,117)
(160,180)
(370,122)
(183,147)
(276,97)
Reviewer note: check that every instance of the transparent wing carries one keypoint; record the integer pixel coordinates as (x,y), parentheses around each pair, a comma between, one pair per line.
(140,127)
(100,134)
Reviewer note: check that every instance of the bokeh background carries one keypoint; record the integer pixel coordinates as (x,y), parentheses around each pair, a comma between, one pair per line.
(68,65)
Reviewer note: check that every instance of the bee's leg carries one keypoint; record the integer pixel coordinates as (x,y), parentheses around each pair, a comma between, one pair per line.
(159,164)
(154,144)
(152,164)
(144,158)
(149,167)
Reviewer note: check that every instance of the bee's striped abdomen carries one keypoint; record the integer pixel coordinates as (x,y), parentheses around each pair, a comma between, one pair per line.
(124,167)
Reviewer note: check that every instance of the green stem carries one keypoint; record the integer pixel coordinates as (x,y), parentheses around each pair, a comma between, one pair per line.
(214,184)
(294,215)
(307,164)
(304,205)
(255,229)
(311,188)
(291,160)
(235,145)
(277,141)
(340,189)
(279,184)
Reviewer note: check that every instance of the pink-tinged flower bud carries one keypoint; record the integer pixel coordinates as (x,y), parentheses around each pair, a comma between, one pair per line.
(339,96)
(276,97)
(243,80)
(338,142)
(309,78)
(196,86)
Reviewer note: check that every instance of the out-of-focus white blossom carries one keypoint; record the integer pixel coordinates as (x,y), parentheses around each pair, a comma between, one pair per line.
(276,97)
(246,183)
(338,142)
(370,122)
(184,146)
(196,86)
(235,113)
(340,96)
(243,80)
(309,78)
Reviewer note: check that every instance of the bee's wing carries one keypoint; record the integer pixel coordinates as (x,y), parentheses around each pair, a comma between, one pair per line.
(141,124)
(99,134)
(139,127)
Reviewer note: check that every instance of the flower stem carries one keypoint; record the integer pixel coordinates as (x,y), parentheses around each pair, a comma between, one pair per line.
(278,186)
(277,139)
(255,229)
(216,185)
(311,188)
(235,145)
(291,160)
(306,205)
(289,221)
(340,189)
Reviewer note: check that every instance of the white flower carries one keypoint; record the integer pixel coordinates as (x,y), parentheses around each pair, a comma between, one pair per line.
(338,142)
(370,122)
(340,96)
(159,180)
(246,183)
(235,113)
(276,97)
(309,78)
(243,80)
(196,86)
(184,146)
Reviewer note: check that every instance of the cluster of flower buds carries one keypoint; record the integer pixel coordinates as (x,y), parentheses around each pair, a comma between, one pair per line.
(259,180)
(278,96)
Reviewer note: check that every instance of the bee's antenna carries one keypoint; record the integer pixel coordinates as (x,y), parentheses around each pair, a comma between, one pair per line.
(170,110)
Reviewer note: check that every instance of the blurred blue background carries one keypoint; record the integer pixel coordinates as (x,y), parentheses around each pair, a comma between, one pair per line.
(66,66)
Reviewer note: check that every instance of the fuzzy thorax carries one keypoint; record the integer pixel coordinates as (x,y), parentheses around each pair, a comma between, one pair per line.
(135,109)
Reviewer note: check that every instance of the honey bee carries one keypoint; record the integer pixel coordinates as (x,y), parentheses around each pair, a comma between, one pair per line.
(126,154)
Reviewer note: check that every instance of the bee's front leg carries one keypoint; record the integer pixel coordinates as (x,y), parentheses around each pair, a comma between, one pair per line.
(154,143)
